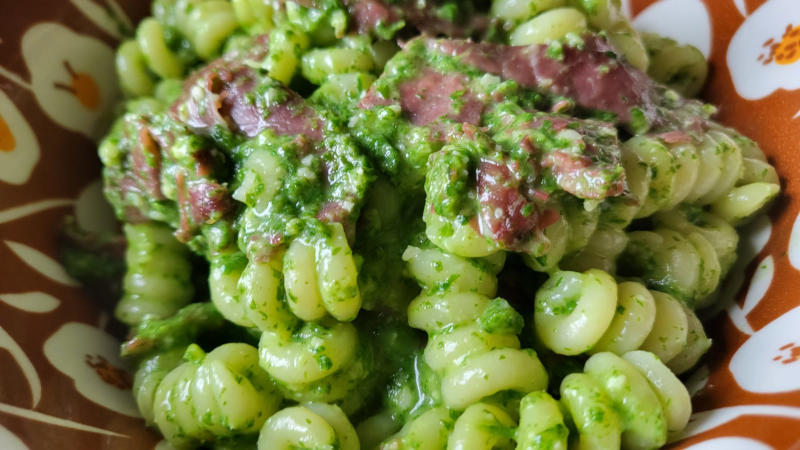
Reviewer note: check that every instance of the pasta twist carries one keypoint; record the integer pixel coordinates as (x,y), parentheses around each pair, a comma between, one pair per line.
(149,375)
(428,431)
(167,44)
(158,280)
(215,396)
(590,313)
(302,300)
(719,233)
(542,21)
(625,402)
(312,426)
(629,401)
(681,67)
(712,170)
(472,341)
(601,251)
(685,266)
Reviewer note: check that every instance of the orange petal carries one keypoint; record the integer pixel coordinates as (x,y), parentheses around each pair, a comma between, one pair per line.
(7,141)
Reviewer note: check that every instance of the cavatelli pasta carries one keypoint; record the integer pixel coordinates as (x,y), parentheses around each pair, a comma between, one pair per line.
(589,313)
(312,426)
(158,281)
(216,396)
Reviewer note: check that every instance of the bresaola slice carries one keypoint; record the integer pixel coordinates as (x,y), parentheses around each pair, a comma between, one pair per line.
(590,73)
(147,170)
(428,17)
(231,94)
(323,176)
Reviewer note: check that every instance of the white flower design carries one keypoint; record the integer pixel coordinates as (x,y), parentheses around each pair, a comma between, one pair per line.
(769,361)
(92,211)
(109,17)
(730,443)
(10,441)
(72,77)
(91,358)
(42,263)
(764,54)
(19,149)
(686,21)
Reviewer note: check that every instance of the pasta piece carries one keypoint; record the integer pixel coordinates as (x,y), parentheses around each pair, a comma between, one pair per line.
(662,165)
(744,202)
(149,375)
(436,270)
(627,41)
(642,418)
(320,64)
(592,412)
(475,361)
(620,402)
(573,310)
(429,431)
(601,251)
(719,233)
(313,425)
(158,281)
(480,427)
(132,70)
(674,398)
(223,279)
(455,238)
(160,59)
(607,15)
(590,313)
(548,26)
(206,25)
(256,16)
(286,47)
(310,354)
(222,394)
(519,10)
(685,266)
(541,423)
(681,67)
(343,89)
(376,429)
(697,344)
(670,330)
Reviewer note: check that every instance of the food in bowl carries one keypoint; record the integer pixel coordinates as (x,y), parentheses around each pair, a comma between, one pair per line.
(308,186)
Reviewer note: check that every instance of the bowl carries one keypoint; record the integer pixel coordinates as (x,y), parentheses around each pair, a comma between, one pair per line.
(63,384)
